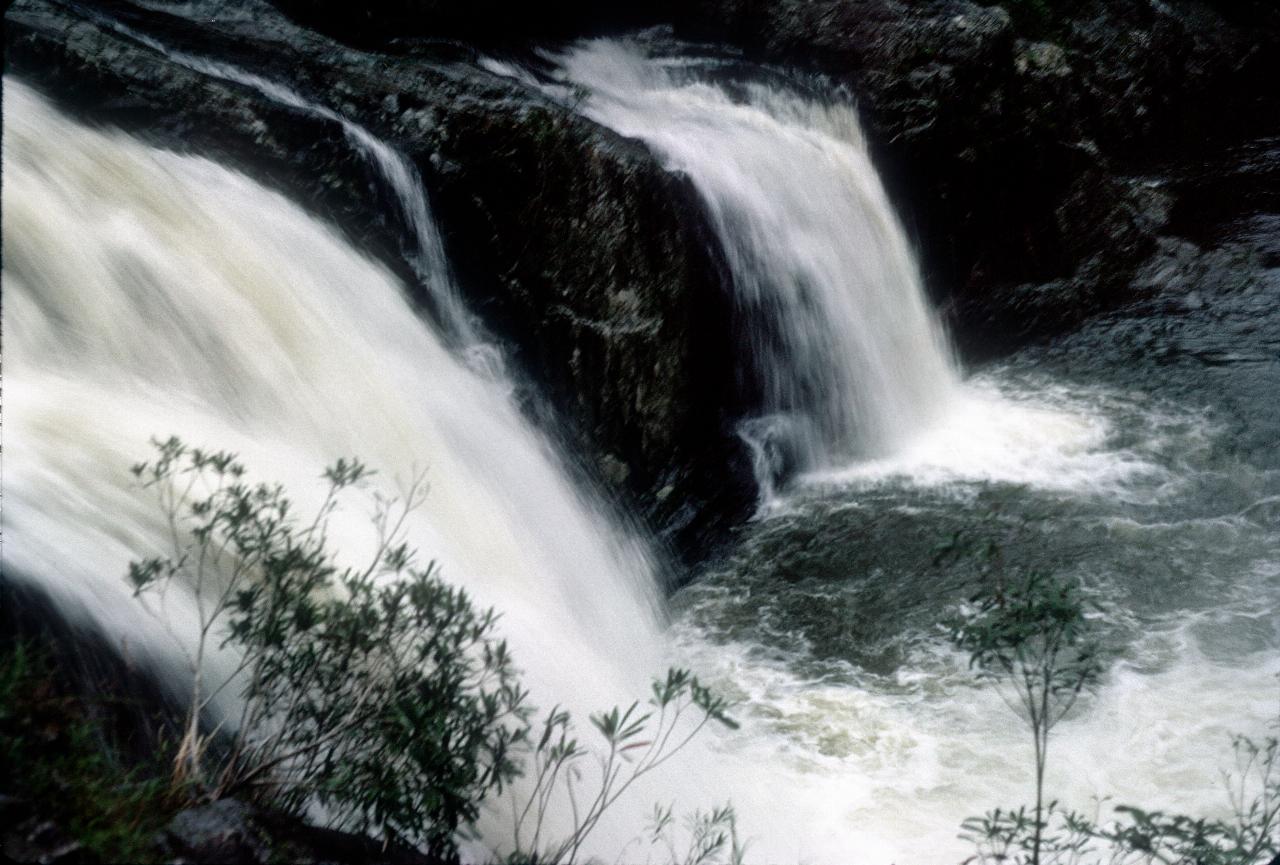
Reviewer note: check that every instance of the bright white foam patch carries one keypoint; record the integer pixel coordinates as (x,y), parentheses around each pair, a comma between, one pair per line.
(1036,434)
(830,771)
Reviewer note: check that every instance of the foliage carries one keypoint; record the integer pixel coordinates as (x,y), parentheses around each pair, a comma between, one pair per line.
(1032,636)
(1055,837)
(1251,836)
(54,756)
(1029,633)
(711,835)
(377,692)
(636,743)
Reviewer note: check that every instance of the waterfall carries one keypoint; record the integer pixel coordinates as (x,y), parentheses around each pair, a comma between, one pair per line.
(150,293)
(851,360)
(427,258)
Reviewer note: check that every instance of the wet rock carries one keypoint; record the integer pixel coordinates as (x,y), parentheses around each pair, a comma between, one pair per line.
(220,832)
(1188,278)
(1007,139)
(1041,60)
(37,840)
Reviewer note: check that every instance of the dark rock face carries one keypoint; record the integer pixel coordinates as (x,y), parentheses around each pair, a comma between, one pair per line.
(1011,138)
(232,832)
(30,838)
(221,831)
(587,259)
(484,21)
(567,226)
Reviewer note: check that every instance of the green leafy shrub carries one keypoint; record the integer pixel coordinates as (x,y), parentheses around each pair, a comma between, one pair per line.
(378,692)
(1030,635)
(1250,836)
(636,743)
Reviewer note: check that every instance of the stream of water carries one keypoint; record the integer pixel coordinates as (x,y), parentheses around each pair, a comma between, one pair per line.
(1137,456)
(149,293)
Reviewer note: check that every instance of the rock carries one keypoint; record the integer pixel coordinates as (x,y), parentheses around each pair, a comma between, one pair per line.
(36,840)
(1007,139)
(615,471)
(1188,277)
(220,832)
(1041,60)
(231,831)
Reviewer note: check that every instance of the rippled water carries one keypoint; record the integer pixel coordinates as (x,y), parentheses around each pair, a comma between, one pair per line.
(1139,456)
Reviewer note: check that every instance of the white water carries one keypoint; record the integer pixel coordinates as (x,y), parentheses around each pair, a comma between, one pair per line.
(428,259)
(836,770)
(832,765)
(850,357)
(148,293)
(859,383)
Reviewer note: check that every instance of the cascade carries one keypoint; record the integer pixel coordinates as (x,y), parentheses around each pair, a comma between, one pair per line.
(150,293)
(427,258)
(851,360)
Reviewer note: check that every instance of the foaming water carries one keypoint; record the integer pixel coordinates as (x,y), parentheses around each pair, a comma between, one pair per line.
(880,760)
(834,320)
(884,770)
(148,293)
(1034,433)
(428,259)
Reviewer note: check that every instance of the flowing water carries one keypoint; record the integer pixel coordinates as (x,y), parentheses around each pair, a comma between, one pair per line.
(832,314)
(149,293)
(1138,456)
(426,253)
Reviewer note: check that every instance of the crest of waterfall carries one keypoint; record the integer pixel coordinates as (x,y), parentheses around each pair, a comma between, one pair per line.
(427,258)
(149,293)
(851,359)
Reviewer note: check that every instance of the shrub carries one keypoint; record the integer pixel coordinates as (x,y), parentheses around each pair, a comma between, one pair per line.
(1251,836)
(1030,634)
(636,743)
(379,692)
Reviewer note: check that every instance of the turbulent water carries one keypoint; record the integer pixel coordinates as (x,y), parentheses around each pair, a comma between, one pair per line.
(1138,456)
(149,293)
(833,318)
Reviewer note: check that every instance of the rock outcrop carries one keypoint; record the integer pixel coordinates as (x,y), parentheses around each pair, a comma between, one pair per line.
(1025,145)
(1020,140)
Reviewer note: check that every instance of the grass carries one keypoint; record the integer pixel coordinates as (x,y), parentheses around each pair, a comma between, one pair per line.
(55,757)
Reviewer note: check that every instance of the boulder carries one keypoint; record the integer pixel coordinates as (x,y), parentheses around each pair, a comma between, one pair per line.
(219,832)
